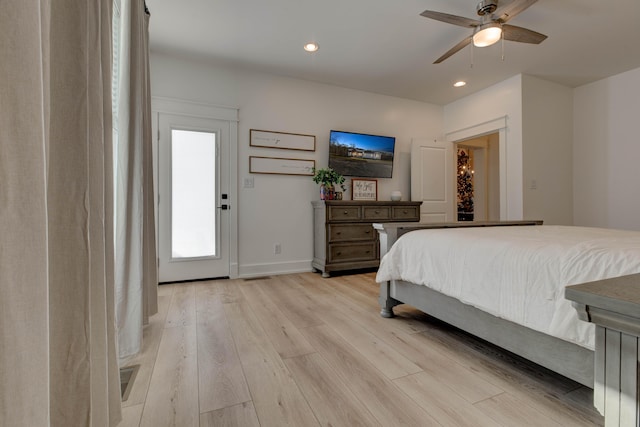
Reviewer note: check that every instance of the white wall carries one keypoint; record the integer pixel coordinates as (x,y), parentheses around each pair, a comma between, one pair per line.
(536,147)
(606,152)
(501,100)
(598,178)
(278,208)
(547,129)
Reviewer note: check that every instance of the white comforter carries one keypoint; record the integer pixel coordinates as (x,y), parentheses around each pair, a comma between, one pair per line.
(516,273)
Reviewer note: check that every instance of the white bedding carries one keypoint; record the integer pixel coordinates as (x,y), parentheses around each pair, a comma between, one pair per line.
(517,272)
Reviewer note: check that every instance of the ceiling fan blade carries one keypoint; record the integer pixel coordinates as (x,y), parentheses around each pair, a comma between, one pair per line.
(451,19)
(454,49)
(522,35)
(511,9)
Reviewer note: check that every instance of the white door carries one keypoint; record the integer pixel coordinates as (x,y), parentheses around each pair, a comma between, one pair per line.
(432,178)
(193,203)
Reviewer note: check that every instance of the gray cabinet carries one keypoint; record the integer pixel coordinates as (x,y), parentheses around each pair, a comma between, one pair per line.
(344,238)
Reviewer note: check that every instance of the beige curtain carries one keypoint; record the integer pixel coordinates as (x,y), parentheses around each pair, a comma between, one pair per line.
(58,363)
(136,267)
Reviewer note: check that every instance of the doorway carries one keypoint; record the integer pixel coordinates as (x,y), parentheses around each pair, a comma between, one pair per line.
(478,178)
(465,185)
(193,198)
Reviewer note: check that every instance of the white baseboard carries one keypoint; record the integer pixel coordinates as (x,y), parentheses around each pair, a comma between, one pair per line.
(268,269)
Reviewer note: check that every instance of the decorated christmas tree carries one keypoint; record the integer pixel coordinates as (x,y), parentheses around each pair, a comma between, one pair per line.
(465,186)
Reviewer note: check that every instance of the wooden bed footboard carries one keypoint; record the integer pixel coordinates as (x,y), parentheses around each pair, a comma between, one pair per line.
(390,232)
(568,359)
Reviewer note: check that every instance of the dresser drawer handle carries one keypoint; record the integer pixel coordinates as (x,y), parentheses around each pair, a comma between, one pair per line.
(367,232)
(377,212)
(404,212)
(345,212)
(339,253)
(368,252)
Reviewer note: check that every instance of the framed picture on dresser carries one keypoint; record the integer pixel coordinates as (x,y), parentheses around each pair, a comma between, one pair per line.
(364,189)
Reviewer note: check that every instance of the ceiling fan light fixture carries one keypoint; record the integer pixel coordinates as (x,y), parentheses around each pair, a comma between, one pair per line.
(487,34)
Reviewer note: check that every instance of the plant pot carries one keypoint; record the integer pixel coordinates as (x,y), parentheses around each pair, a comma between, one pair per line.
(326,192)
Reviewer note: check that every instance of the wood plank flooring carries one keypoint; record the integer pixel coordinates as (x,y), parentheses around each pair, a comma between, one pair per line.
(300,350)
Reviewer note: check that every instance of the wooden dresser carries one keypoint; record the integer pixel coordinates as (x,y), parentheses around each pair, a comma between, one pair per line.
(344,238)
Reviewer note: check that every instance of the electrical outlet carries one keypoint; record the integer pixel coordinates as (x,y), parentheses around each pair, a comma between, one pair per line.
(277,249)
(248,182)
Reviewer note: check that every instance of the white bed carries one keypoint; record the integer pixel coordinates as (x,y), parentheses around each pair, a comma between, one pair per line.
(507,278)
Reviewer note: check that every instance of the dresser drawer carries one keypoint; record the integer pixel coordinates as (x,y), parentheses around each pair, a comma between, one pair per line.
(348,232)
(352,252)
(405,212)
(376,213)
(343,236)
(344,213)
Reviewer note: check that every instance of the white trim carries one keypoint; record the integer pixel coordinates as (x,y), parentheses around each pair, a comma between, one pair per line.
(480,129)
(268,269)
(502,159)
(234,198)
(194,109)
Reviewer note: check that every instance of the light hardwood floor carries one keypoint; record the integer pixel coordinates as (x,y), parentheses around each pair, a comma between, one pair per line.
(300,350)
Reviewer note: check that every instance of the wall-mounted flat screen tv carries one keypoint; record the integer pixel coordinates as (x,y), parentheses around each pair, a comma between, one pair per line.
(361,155)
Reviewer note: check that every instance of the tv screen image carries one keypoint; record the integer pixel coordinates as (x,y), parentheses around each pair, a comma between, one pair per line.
(361,155)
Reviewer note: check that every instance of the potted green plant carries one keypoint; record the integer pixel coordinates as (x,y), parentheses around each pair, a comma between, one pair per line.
(328,178)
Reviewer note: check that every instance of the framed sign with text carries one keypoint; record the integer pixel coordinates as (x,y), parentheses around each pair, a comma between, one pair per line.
(364,189)
(275,165)
(283,140)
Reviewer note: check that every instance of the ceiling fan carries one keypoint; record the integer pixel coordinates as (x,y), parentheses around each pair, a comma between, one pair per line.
(491,27)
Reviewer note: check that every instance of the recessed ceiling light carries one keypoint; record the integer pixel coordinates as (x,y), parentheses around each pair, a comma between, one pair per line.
(311,47)
(459,84)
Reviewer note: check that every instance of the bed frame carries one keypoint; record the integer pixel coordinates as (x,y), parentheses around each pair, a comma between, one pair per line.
(568,359)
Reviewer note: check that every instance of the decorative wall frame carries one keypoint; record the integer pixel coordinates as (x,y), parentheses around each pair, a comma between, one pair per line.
(280,166)
(364,189)
(282,140)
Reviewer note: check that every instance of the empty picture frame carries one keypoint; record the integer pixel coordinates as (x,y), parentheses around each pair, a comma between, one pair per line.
(283,140)
(276,165)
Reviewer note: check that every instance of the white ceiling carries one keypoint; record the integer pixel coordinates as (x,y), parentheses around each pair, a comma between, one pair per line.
(386,47)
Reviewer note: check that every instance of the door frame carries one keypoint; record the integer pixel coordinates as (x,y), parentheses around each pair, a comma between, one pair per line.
(205,111)
(499,126)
